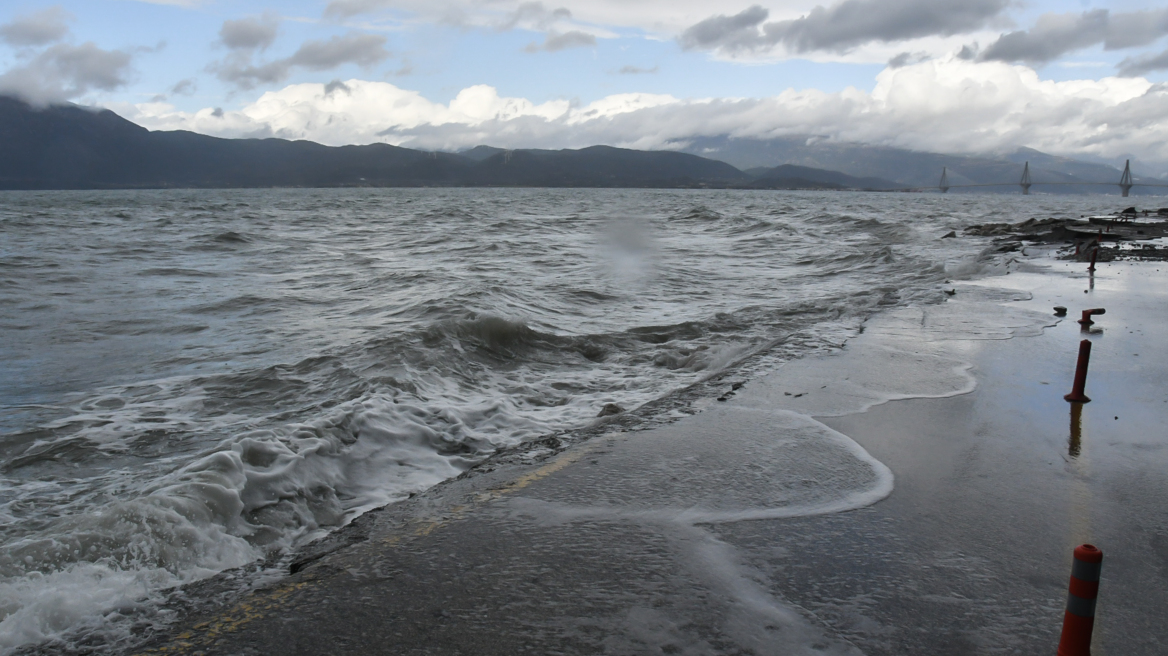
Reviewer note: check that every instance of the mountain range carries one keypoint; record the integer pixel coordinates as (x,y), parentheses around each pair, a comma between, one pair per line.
(72,147)
(911,168)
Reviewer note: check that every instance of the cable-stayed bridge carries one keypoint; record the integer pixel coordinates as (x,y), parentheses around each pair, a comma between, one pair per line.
(1125,182)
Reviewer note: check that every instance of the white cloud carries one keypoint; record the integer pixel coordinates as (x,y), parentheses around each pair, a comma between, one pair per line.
(946,105)
(352,111)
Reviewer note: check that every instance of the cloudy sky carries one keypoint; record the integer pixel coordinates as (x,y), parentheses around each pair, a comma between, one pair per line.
(1084,77)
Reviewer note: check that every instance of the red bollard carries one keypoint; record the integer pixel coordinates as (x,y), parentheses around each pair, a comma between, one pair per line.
(1079,620)
(1087,314)
(1094,254)
(1077,395)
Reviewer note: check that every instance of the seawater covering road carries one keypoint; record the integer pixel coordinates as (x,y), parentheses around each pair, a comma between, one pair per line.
(751,528)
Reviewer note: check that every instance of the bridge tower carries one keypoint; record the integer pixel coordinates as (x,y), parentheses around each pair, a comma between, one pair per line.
(1025,183)
(944,186)
(1125,181)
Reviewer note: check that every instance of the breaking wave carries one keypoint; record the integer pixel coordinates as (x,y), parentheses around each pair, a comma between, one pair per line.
(221,376)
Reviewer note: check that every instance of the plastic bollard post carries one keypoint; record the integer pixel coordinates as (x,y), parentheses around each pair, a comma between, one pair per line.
(1077,395)
(1079,619)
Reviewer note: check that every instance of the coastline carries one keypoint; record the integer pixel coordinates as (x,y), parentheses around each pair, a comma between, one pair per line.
(549,551)
(393,559)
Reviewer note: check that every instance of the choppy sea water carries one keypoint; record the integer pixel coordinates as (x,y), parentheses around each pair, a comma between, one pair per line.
(194,380)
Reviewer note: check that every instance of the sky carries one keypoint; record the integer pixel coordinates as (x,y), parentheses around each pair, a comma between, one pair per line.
(1085,78)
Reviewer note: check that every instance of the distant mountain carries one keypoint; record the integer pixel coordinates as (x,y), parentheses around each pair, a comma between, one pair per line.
(1065,166)
(70,147)
(603,166)
(789,176)
(912,168)
(479,153)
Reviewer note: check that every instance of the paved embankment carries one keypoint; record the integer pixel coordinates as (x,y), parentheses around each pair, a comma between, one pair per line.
(750,528)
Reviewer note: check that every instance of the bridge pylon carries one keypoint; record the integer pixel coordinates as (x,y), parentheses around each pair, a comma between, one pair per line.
(1025,183)
(944,186)
(1125,181)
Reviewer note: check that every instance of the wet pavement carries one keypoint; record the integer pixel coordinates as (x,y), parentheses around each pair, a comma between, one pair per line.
(943,525)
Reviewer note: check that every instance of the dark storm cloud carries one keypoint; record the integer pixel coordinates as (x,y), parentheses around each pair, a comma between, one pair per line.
(354,48)
(841,27)
(37,29)
(250,33)
(1055,35)
(554,42)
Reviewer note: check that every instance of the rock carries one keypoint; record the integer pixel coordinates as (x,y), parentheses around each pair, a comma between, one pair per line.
(610,409)
(952,235)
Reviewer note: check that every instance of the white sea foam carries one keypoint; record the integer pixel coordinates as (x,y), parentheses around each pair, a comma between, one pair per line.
(189,398)
(912,352)
(727,464)
(749,459)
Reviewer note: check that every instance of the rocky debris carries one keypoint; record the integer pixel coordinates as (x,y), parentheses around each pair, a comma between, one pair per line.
(1029,227)
(610,409)
(734,387)
(1108,238)
(1148,252)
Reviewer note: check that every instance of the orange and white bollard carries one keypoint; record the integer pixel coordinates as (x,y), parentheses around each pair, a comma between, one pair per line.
(1079,619)
(1077,395)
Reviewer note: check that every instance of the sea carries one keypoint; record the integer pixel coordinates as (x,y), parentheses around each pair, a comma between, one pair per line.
(197,380)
